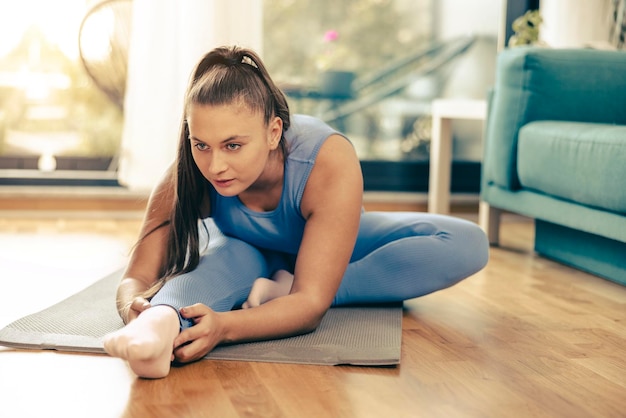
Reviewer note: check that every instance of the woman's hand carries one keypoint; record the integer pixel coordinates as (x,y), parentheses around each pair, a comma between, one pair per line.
(196,342)
(132,310)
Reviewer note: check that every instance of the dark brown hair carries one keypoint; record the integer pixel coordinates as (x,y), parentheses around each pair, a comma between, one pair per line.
(223,76)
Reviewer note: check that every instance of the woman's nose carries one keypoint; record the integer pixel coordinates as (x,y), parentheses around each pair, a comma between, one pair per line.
(217,164)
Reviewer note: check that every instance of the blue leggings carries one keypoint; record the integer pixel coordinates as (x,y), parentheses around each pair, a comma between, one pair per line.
(398,256)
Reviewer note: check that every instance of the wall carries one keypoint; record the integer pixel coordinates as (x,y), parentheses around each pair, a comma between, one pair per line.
(459,17)
(474,73)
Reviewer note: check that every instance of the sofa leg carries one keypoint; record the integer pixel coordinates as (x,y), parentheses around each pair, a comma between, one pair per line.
(489,221)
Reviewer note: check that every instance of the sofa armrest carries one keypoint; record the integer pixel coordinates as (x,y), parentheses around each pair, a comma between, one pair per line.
(581,85)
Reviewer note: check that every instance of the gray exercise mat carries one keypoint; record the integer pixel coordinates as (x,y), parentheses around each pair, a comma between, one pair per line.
(363,335)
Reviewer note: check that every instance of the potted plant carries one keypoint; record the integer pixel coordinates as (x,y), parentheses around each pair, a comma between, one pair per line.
(335,79)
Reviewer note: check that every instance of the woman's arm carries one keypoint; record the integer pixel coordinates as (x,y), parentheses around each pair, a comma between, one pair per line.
(332,205)
(148,256)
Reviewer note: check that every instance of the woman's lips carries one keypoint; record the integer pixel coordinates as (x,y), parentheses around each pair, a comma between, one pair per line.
(224,183)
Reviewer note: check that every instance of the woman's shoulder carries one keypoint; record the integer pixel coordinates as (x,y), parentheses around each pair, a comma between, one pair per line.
(307,134)
(307,124)
(336,177)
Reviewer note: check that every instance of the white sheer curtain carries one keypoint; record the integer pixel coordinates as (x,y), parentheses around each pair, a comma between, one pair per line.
(168,38)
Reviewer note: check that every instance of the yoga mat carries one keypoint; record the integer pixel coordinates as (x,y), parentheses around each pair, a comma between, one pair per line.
(359,335)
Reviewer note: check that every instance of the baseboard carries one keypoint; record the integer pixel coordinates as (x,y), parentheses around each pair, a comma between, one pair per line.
(33,201)
(25,200)
(412,176)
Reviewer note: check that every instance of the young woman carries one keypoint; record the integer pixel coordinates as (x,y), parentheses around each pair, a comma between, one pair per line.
(263,211)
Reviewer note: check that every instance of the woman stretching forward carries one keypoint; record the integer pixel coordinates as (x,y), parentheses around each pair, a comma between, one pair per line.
(263,211)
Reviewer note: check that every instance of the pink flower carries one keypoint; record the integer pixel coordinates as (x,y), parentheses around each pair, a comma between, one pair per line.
(331,35)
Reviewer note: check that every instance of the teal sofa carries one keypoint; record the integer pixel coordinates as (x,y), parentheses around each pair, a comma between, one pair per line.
(555,151)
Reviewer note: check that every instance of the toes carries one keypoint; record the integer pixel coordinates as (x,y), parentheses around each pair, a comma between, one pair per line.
(282,276)
(251,302)
(259,289)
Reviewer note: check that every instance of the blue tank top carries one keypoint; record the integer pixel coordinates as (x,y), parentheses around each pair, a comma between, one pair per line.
(282,228)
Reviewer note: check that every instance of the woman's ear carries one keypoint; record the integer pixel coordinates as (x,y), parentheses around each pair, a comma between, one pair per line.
(275,132)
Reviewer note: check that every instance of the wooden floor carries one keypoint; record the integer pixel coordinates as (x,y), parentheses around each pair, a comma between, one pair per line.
(526,337)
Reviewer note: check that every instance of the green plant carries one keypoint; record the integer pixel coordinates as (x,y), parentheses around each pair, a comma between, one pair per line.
(526,28)
(617,31)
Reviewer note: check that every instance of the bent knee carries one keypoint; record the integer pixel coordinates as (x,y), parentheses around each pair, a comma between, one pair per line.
(473,250)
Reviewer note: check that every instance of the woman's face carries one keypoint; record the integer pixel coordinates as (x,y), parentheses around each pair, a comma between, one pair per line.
(231,144)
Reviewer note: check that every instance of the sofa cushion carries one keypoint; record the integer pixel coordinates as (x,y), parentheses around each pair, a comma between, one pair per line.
(581,162)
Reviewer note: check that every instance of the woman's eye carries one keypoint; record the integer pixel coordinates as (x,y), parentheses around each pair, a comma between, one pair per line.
(233,147)
(200,146)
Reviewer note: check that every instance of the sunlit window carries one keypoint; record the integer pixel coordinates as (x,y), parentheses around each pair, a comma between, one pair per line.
(355,64)
(370,69)
(53,114)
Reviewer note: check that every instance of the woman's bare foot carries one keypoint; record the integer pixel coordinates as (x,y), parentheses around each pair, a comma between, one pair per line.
(264,290)
(146,343)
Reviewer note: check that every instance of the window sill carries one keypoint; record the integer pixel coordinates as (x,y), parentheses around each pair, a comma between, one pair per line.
(25,177)
(53,201)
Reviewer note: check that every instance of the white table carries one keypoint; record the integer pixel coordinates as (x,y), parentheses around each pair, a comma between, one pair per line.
(444,111)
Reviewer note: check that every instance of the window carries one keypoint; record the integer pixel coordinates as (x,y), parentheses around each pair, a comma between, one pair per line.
(53,117)
(397,68)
